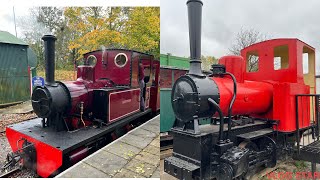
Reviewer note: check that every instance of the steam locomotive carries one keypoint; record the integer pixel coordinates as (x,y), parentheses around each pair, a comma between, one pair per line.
(257,117)
(78,117)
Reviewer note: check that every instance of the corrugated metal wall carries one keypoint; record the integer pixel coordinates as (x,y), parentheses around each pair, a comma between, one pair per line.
(14,78)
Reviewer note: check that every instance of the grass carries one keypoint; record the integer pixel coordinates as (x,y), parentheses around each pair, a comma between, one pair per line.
(61,75)
(300,165)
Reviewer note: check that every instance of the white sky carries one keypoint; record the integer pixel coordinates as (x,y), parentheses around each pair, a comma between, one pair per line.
(6,17)
(223,19)
(22,6)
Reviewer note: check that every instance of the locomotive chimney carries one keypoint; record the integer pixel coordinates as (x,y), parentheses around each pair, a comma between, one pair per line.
(49,50)
(194,15)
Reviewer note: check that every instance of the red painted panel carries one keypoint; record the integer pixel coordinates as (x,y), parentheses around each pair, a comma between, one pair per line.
(252,97)
(155,98)
(119,75)
(122,103)
(284,108)
(166,78)
(49,158)
(178,73)
(234,65)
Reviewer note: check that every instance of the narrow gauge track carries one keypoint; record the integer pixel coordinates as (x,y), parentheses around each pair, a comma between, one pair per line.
(166,142)
(10,173)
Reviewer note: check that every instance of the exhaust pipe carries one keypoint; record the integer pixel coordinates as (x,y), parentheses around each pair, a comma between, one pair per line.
(49,50)
(194,16)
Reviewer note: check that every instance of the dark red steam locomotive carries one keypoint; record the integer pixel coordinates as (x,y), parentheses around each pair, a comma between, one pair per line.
(257,117)
(78,117)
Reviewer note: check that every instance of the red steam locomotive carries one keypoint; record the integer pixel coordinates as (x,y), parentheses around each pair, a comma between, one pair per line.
(78,117)
(257,116)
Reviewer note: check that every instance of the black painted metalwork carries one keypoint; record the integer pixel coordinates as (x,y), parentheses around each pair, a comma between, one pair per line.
(217,107)
(195,15)
(190,97)
(27,152)
(297,125)
(217,69)
(49,50)
(53,100)
(232,101)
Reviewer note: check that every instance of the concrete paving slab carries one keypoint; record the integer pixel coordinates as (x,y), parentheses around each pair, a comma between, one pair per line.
(142,168)
(152,128)
(106,162)
(144,133)
(155,122)
(123,150)
(148,158)
(152,150)
(84,170)
(156,173)
(124,173)
(156,142)
(136,141)
(135,155)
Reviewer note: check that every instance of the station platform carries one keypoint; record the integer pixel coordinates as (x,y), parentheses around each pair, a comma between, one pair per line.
(134,155)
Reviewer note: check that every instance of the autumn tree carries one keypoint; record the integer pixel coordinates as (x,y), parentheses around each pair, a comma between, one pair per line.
(135,28)
(245,38)
(92,28)
(41,21)
(207,61)
(83,29)
(142,30)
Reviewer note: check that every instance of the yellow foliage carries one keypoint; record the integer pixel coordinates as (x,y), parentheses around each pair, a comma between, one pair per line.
(135,28)
(61,75)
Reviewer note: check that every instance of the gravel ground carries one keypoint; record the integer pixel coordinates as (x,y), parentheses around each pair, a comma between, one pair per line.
(289,169)
(5,120)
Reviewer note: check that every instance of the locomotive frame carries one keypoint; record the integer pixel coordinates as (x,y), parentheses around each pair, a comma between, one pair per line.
(257,117)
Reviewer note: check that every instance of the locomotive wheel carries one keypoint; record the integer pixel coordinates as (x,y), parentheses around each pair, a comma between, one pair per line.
(252,147)
(249,145)
(225,172)
(266,142)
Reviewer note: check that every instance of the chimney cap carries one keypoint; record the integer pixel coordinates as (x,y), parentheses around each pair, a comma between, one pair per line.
(199,1)
(48,37)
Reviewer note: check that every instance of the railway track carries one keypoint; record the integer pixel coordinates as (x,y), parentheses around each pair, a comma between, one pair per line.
(166,142)
(166,146)
(10,173)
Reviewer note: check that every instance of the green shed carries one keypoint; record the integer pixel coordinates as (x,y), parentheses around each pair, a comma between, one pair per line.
(174,61)
(16,59)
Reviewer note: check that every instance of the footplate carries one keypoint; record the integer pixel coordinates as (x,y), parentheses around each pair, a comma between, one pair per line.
(310,153)
(179,168)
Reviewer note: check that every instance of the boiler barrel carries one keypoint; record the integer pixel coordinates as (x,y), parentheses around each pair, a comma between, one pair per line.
(252,97)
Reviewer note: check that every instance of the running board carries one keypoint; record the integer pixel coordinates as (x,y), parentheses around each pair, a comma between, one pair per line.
(310,153)
(255,134)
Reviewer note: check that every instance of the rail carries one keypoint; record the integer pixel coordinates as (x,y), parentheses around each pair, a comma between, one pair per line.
(10,172)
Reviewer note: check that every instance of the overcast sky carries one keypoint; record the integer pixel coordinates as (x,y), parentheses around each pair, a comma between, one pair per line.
(7,20)
(222,20)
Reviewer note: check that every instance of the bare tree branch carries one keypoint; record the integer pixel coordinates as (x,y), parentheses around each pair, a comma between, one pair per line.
(245,38)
